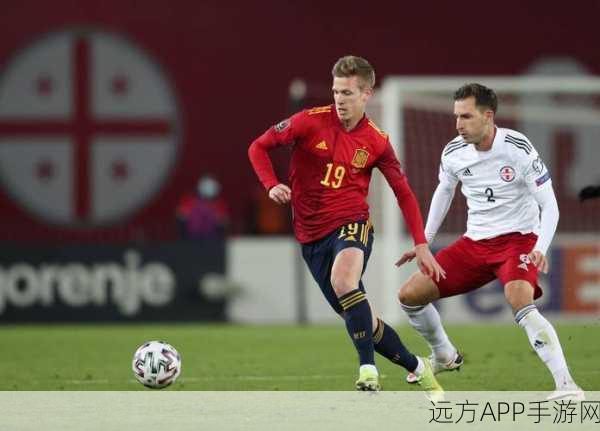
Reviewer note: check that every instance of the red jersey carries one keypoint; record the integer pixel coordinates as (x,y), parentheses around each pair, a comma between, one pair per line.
(330,171)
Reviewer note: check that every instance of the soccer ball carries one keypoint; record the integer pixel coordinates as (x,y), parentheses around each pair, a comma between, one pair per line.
(156,364)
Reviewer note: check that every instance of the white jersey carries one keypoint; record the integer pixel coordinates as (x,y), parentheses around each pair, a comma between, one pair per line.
(499,184)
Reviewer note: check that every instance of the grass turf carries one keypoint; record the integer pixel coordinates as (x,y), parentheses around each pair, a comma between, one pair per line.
(229,357)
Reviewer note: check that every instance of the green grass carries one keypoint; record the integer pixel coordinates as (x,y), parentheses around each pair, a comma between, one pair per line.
(215,357)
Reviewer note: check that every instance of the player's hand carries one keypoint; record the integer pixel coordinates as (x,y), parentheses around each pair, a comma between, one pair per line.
(539,260)
(427,263)
(406,257)
(280,194)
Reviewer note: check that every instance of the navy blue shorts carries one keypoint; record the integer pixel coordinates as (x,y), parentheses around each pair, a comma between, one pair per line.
(319,255)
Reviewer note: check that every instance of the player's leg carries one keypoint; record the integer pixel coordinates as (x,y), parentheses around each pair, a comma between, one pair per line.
(345,277)
(388,344)
(338,260)
(356,239)
(386,340)
(419,291)
(465,271)
(542,337)
(415,298)
(319,257)
(521,288)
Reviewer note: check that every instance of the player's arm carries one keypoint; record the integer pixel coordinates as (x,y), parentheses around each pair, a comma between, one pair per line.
(539,184)
(440,202)
(548,222)
(389,166)
(283,133)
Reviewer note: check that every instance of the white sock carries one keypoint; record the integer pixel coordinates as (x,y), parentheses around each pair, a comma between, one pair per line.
(368,367)
(544,341)
(420,367)
(426,321)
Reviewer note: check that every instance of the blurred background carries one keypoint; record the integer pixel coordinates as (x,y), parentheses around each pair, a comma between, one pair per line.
(125,189)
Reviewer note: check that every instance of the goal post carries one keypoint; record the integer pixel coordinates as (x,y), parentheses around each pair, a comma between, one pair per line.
(559,114)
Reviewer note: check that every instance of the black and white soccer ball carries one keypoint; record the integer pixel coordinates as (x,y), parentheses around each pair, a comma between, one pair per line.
(156,364)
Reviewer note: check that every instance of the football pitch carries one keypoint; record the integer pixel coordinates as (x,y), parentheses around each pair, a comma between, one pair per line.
(277,358)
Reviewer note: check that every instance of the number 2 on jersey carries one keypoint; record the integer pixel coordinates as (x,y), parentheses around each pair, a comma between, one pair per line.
(490,195)
(338,176)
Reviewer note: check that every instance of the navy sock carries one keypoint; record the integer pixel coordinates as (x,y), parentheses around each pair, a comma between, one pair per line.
(388,344)
(359,324)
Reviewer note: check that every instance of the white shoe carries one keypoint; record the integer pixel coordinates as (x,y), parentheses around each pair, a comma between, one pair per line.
(573,393)
(439,367)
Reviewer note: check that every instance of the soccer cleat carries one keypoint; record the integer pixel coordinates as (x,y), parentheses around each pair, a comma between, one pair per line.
(368,380)
(439,367)
(433,390)
(573,393)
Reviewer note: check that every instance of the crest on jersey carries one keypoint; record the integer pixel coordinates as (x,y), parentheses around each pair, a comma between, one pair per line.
(282,125)
(507,173)
(360,158)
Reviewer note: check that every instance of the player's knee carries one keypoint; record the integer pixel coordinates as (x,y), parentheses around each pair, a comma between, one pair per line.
(407,294)
(517,304)
(414,291)
(342,285)
(518,294)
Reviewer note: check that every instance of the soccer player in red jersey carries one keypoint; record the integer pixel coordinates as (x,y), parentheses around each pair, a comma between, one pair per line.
(334,151)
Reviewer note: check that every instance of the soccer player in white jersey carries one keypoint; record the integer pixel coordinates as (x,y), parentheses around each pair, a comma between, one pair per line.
(512,218)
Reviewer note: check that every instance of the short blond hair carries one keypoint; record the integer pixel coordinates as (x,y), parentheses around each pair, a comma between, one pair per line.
(351,65)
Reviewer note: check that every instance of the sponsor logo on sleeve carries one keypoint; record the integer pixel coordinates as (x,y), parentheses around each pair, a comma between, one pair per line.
(541,180)
(282,125)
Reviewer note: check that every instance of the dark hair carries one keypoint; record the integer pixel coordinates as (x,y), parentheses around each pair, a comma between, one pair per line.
(351,65)
(484,96)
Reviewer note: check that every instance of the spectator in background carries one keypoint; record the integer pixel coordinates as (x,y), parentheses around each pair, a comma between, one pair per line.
(204,214)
